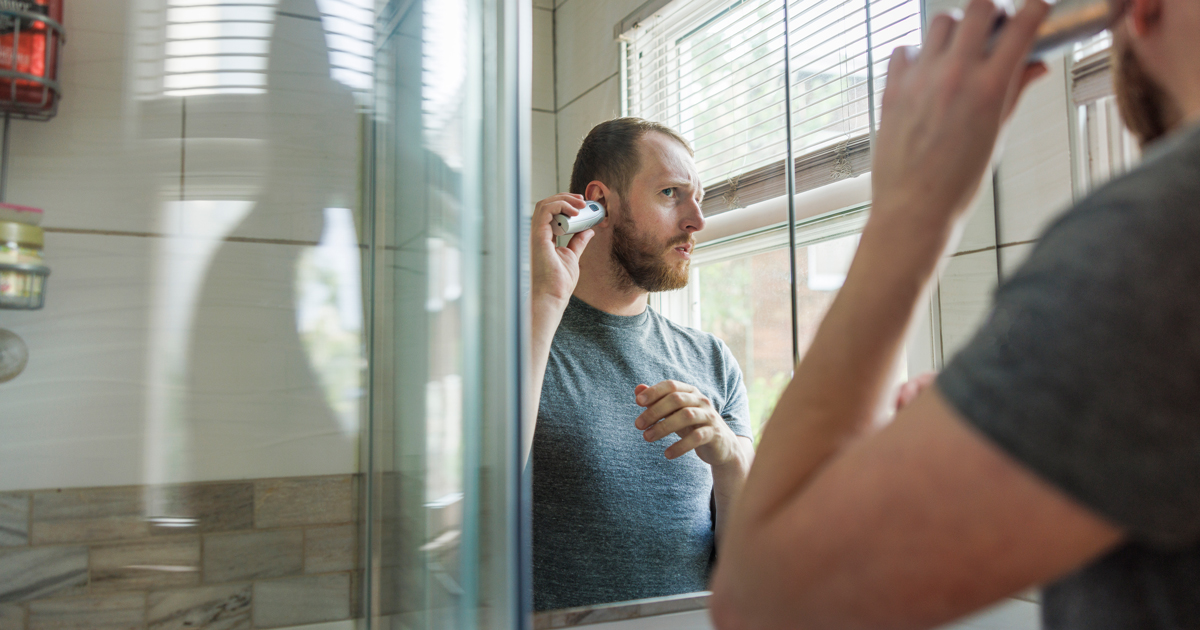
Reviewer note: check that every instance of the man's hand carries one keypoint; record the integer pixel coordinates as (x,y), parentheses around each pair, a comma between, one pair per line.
(942,111)
(679,408)
(554,270)
(909,391)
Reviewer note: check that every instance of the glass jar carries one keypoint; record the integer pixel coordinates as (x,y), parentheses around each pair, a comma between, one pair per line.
(22,269)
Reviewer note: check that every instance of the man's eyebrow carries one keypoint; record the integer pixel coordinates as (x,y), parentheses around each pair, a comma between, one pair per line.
(683,183)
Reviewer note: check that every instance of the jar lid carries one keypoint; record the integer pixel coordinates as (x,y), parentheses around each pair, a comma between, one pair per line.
(13,232)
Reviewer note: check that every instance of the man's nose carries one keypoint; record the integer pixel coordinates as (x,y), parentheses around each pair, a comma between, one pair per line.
(693,219)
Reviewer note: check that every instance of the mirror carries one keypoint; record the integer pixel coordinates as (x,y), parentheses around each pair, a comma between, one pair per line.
(614,520)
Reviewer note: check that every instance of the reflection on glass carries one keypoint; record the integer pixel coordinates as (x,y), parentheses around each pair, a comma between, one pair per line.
(222,46)
(329,315)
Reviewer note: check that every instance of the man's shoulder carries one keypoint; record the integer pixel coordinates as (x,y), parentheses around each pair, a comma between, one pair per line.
(686,334)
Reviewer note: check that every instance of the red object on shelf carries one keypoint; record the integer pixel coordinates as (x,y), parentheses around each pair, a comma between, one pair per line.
(29,56)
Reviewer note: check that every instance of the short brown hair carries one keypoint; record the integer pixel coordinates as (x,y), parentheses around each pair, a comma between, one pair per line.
(610,154)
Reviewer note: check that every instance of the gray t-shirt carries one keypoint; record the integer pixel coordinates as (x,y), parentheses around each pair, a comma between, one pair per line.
(613,519)
(1088,373)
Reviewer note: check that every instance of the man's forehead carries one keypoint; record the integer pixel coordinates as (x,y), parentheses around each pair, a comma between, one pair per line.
(664,158)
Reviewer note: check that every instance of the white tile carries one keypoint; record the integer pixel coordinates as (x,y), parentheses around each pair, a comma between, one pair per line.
(544,178)
(244,402)
(1035,172)
(106,160)
(979,231)
(585,52)
(543,60)
(577,119)
(965,291)
(1013,256)
(543,4)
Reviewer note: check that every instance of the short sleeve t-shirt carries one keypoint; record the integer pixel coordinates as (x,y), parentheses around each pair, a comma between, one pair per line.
(613,519)
(1088,373)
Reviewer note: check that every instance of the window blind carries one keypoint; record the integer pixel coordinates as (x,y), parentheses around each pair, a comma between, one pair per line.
(714,71)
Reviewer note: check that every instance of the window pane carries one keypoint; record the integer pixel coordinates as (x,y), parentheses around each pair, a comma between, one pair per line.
(745,302)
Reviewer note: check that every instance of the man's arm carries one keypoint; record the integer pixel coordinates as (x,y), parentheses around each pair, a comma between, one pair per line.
(919,525)
(812,541)
(729,479)
(554,272)
(678,408)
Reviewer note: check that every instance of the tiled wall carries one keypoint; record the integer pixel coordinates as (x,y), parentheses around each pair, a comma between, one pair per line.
(174,235)
(262,553)
(543,142)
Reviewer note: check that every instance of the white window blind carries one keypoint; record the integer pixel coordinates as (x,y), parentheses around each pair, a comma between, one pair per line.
(714,71)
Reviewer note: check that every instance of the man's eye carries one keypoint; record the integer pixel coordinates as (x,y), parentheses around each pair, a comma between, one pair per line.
(670,192)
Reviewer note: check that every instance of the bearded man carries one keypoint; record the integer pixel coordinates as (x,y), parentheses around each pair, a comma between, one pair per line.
(642,435)
(1061,447)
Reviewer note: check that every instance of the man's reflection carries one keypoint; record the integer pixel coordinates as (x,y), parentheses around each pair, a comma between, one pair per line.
(642,437)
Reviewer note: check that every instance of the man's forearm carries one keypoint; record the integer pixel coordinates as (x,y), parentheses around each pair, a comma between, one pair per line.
(547,313)
(728,480)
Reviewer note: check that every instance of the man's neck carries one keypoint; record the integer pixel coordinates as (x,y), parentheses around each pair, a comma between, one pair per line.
(602,293)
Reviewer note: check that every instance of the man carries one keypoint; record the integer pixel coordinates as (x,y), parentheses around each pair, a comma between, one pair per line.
(642,430)
(1062,446)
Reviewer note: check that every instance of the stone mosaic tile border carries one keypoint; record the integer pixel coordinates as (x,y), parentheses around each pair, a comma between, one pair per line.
(228,555)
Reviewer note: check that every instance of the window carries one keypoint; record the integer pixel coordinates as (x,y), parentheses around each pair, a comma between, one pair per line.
(722,73)
(740,292)
(222,46)
(1104,148)
(715,71)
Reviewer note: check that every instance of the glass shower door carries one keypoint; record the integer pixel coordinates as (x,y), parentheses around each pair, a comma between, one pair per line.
(443,475)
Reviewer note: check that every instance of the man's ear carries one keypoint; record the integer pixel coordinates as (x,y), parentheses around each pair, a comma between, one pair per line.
(1144,15)
(598,191)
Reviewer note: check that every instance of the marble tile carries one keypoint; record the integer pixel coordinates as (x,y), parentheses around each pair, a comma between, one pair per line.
(585,51)
(330,549)
(966,290)
(225,607)
(543,178)
(303,600)
(123,611)
(88,514)
(215,507)
(303,501)
(543,60)
(14,519)
(578,118)
(1013,256)
(245,556)
(1035,172)
(27,574)
(157,563)
(12,617)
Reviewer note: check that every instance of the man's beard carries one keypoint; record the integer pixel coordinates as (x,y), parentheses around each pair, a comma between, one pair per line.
(638,262)
(1147,109)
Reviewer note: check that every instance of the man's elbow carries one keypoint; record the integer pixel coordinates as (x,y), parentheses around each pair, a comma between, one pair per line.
(726,606)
